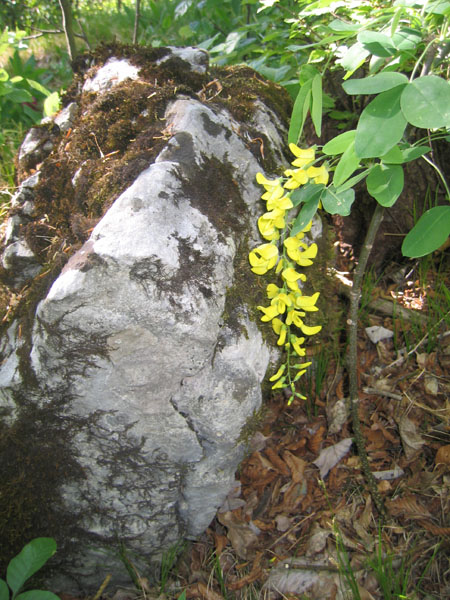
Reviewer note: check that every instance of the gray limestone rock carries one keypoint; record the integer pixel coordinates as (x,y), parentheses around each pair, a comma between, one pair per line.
(143,359)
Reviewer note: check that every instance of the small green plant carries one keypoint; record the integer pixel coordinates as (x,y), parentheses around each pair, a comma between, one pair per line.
(392,573)
(168,561)
(30,559)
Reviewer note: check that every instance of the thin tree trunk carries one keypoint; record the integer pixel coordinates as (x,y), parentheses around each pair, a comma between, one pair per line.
(137,15)
(352,358)
(67,23)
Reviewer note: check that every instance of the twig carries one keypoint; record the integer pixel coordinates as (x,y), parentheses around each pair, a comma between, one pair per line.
(101,589)
(377,392)
(352,362)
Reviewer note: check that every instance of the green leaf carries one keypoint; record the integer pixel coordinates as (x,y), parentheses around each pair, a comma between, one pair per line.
(308,211)
(52,104)
(38,87)
(377,43)
(316,105)
(37,595)
(338,203)
(305,193)
(396,20)
(385,183)
(425,102)
(340,143)
(18,95)
(438,7)
(299,112)
(29,560)
(429,233)
(354,58)
(346,166)
(406,38)
(381,124)
(4,590)
(353,181)
(339,26)
(398,156)
(3,75)
(375,84)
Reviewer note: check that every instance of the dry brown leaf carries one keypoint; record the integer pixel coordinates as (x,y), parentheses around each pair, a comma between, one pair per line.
(276,461)
(240,534)
(294,494)
(408,506)
(318,539)
(329,457)
(201,590)
(435,529)
(254,574)
(265,462)
(443,455)
(220,541)
(315,441)
(296,466)
(412,441)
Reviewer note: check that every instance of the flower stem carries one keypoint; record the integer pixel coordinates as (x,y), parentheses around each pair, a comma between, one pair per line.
(352,358)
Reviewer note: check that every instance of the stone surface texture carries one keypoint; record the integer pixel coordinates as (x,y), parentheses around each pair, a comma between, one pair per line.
(143,360)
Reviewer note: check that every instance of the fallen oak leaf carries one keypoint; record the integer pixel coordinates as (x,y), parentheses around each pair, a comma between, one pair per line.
(329,457)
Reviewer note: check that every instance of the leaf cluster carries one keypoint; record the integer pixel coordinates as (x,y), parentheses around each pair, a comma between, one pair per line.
(24,95)
(400,48)
(30,559)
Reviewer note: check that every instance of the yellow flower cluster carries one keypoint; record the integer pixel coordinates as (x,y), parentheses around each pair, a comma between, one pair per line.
(288,305)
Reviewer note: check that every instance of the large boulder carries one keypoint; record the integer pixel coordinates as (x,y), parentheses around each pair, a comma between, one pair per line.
(131,355)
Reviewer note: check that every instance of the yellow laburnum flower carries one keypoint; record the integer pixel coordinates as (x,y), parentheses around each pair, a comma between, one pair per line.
(318,174)
(297,345)
(270,222)
(280,266)
(281,301)
(303,157)
(310,330)
(291,277)
(282,203)
(294,316)
(268,230)
(263,258)
(306,302)
(269,312)
(297,178)
(267,183)
(301,252)
(272,290)
(302,371)
(278,374)
(273,194)
(281,330)
(279,384)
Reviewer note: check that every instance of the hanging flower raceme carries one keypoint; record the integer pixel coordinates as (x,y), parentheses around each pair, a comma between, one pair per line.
(288,305)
